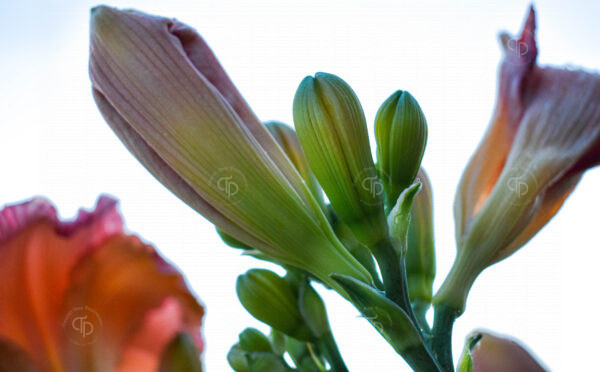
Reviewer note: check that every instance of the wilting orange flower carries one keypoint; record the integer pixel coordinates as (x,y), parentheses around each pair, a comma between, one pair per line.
(545,132)
(485,352)
(84,296)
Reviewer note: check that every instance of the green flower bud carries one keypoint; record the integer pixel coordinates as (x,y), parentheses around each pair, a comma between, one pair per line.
(332,129)
(399,218)
(236,357)
(270,299)
(401,135)
(181,355)
(251,339)
(287,139)
(313,310)
(420,255)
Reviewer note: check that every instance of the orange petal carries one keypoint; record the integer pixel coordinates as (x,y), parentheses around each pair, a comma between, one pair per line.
(135,302)
(487,163)
(37,252)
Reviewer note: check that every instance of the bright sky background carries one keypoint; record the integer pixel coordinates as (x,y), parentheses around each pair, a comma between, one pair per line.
(55,143)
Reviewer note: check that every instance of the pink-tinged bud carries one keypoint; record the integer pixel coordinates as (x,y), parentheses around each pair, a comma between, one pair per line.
(485,352)
(166,96)
(544,134)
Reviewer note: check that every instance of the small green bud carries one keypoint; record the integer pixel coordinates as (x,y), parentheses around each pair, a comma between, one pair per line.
(251,339)
(420,255)
(287,139)
(237,359)
(181,355)
(270,299)
(399,218)
(332,129)
(313,310)
(401,136)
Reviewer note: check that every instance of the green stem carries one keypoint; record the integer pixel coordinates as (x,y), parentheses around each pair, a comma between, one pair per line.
(328,346)
(420,308)
(393,271)
(442,336)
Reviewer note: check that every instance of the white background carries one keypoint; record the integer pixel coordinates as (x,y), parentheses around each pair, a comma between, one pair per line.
(55,143)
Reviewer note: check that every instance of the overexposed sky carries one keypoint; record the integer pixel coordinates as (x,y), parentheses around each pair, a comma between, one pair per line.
(55,143)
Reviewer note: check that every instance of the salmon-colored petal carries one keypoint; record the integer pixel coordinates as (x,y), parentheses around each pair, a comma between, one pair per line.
(37,254)
(128,293)
(487,163)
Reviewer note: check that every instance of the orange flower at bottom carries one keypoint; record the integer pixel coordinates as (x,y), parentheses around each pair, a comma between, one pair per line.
(84,296)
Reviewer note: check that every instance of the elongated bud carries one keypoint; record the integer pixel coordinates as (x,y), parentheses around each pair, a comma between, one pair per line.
(420,255)
(332,129)
(401,136)
(288,140)
(270,299)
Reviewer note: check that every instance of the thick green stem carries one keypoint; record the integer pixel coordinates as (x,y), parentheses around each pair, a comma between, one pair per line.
(328,346)
(393,271)
(420,308)
(442,336)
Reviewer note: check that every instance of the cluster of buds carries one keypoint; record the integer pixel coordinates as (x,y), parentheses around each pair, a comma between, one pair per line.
(314,201)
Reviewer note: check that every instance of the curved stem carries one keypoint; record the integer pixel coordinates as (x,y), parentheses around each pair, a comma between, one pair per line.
(328,346)
(442,336)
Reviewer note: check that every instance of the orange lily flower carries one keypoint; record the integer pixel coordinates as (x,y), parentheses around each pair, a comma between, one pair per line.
(544,134)
(84,296)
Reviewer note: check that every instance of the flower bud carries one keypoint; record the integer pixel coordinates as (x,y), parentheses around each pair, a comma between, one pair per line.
(251,339)
(287,139)
(485,352)
(401,136)
(420,255)
(165,95)
(270,299)
(332,129)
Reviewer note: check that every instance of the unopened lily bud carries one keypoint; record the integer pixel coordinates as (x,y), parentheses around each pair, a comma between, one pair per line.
(270,299)
(401,135)
(485,352)
(251,339)
(287,139)
(168,99)
(544,134)
(420,255)
(332,129)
